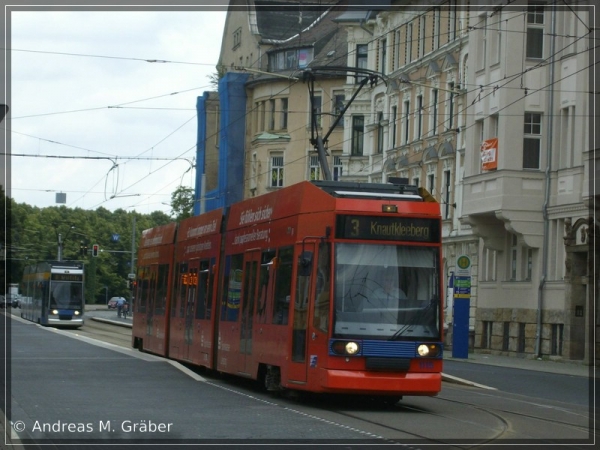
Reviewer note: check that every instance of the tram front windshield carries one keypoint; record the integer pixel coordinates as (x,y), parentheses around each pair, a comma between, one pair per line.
(386,292)
(66,295)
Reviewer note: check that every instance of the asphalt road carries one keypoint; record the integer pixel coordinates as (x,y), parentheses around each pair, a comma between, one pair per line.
(57,376)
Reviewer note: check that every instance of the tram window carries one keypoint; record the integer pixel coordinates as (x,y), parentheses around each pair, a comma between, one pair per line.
(203,298)
(283,286)
(322,297)
(161,290)
(301,307)
(142,291)
(267,269)
(232,282)
(174,292)
(181,288)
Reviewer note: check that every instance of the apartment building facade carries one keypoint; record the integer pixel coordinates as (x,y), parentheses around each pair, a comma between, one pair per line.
(487,108)
(410,124)
(496,127)
(526,184)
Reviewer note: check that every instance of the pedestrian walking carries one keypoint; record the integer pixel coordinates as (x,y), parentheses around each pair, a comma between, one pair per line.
(120,304)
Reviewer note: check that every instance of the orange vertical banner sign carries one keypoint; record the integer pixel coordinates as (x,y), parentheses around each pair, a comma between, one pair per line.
(489,154)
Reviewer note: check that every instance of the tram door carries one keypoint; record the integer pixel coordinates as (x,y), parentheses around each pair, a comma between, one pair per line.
(302,312)
(248,306)
(152,275)
(191,282)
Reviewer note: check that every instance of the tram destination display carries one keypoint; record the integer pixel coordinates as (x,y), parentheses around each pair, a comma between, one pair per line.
(387,228)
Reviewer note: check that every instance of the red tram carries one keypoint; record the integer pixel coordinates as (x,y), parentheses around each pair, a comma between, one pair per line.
(321,286)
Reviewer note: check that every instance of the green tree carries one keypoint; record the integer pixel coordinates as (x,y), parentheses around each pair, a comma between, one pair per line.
(182,203)
(33,237)
(216,76)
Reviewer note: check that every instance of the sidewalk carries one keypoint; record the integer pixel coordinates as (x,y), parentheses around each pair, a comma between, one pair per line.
(564,367)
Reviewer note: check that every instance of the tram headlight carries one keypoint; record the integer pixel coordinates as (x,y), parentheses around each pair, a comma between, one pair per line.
(345,348)
(430,350)
(55,311)
(352,348)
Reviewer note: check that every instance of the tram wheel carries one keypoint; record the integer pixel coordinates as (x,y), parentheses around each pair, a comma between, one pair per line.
(388,400)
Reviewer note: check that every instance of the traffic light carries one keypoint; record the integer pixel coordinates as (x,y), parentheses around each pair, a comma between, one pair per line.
(95,249)
(82,248)
(131,284)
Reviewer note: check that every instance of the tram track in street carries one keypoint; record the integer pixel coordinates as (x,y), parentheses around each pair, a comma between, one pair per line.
(492,417)
(500,411)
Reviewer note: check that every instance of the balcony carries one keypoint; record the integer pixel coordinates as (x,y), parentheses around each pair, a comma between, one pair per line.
(497,201)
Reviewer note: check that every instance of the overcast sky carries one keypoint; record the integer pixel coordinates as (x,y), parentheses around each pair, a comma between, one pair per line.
(82,86)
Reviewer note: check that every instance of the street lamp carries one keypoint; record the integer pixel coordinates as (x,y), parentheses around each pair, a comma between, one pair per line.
(60,242)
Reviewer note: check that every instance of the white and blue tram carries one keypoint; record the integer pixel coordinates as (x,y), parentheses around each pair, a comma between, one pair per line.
(53,293)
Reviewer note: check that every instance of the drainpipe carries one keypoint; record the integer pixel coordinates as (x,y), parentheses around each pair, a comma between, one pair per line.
(545,243)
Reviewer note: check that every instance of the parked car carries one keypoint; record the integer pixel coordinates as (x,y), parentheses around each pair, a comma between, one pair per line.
(112,303)
(2,302)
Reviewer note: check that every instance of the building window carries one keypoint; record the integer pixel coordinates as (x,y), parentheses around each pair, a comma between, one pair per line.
(447,178)
(486,334)
(379,133)
(529,264)
(535,30)
(567,135)
(362,52)
(513,257)
(419,117)
(337,168)
(422,36)
(316,110)
(521,338)
(451,106)
(254,172)
(406,120)
(452,19)
(272,114)
(284,113)
(314,169)
(556,344)
(383,57)
(290,59)
(431,183)
(358,132)
(496,39)
(482,45)
(489,265)
(396,50)
(394,127)
(277,171)
(493,128)
(338,106)
(408,44)
(434,111)
(532,140)
(415,181)
(237,38)
(435,42)
(506,336)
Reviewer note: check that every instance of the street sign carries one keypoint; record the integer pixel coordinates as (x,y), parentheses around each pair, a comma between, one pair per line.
(463,266)
(131,276)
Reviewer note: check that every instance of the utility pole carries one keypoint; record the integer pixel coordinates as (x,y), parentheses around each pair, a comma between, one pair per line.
(132,269)
(59,255)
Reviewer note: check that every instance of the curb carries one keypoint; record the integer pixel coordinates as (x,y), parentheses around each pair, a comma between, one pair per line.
(112,322)
(463,382)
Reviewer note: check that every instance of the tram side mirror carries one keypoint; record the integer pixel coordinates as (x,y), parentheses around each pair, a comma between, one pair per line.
(305,264)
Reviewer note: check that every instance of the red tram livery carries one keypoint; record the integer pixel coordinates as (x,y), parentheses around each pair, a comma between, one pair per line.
(322,286)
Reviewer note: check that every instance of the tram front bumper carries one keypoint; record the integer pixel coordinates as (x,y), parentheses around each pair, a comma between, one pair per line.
(380,383)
